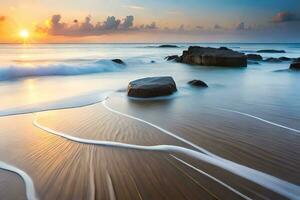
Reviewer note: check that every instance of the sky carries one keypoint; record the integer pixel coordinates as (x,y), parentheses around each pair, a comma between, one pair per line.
(150,20)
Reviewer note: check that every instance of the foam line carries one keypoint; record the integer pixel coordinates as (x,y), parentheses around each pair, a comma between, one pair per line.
(282,187)
(263,120)
(212,177)
(30,191)
(159,128)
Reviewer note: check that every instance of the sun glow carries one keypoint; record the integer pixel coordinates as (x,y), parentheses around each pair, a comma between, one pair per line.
(24,34)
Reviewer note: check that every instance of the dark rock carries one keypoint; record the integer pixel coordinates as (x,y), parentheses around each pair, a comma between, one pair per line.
(152,61)
(152,87)
(255,57)
(295,66)
(296,60)
(285,59)
(270,51)
(224,48)
(168,46)
(119,61)
(213,57)
(272,60)
(174,58)
(197,83)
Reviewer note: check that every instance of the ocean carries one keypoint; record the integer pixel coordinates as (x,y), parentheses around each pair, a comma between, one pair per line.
(44,76)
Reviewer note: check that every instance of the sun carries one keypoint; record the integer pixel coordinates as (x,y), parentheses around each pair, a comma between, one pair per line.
(24,34)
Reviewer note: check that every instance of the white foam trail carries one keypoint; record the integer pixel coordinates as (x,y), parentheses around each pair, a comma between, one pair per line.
(213,178)
(282,187)
(263,120)
(30,191)
(161,129)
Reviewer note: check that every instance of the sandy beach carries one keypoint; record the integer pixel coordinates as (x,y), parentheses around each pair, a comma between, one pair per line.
(64,169)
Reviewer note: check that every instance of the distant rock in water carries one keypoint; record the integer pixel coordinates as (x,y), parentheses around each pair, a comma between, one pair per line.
(152,87)
(296,60)
(168,46)
(197,83)
(152,61)
(255,57)
(213,57)
(173,58)
(118,61)
(270,51)
(295,66)
(285,59)
(272,60)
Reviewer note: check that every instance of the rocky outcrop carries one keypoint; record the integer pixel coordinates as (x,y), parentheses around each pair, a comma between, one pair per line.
(197,83)
(272,60)
(152,87)
(270,51)
(295,66)
(168,46)
(173,58)
(118,61)
(213,57)
(254,57)
(285,59)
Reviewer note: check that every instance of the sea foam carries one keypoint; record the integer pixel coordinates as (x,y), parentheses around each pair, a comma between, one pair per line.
(60,69)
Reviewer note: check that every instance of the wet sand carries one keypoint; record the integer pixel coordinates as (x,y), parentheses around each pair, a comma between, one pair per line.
(64,169)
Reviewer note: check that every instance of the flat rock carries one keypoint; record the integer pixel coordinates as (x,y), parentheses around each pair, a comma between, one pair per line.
(272,60)
(152,87)
(255,57)
(168,46)
(118,61)
(197,83)
(295,66)
(270,51)
(213,57)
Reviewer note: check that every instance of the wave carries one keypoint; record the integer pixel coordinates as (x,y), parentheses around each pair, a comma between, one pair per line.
(21,71)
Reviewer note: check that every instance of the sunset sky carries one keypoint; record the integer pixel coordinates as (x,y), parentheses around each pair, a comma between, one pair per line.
(150,20)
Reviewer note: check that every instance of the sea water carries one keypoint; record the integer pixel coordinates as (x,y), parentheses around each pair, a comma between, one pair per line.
(37,77)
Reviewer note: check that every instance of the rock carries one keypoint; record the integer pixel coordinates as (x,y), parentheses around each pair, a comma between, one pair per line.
(270,51)
(213,57)
(285,59)
(224,48)
(152,87)
(173,58)
(197,83)
(296,60)
(272,60)
(152,61)
(255,57)
(168,46)
(118,61)
(295,66)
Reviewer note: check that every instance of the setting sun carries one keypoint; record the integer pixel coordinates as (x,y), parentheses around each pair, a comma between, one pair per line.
(24,34)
